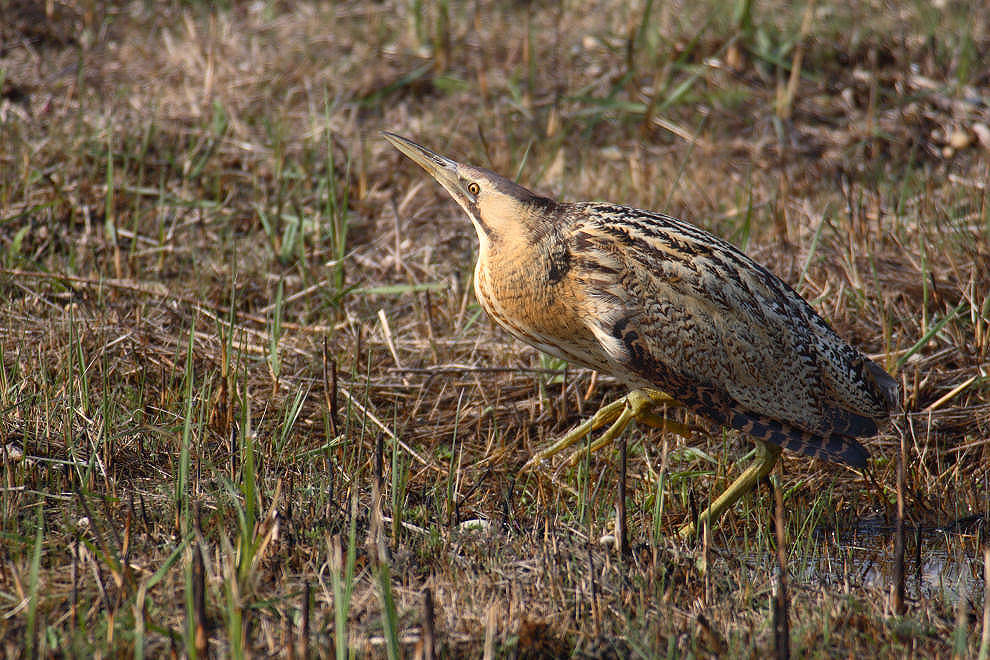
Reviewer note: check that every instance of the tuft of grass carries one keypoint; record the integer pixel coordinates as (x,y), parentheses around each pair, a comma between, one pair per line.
(342,579)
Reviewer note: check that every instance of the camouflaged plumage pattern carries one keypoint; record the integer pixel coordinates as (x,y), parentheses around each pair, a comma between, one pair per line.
(660,303)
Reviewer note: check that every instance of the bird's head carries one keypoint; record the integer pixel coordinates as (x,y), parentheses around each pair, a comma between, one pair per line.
(499,208)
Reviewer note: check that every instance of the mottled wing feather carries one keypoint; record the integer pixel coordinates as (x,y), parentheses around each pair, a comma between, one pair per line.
(677,308)
(711,401)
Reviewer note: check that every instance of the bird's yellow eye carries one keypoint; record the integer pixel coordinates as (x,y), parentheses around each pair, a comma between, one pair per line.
(474,189)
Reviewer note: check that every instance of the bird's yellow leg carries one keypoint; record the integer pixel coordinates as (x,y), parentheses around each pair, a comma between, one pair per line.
(604,415)
(766,458)
(638,405)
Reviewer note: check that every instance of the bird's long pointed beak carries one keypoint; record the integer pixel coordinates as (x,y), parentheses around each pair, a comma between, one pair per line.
(441,168)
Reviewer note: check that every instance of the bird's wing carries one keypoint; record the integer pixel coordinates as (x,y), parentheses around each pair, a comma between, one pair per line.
(679,309)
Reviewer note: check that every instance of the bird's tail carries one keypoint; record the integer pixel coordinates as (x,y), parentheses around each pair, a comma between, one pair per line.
(831,447)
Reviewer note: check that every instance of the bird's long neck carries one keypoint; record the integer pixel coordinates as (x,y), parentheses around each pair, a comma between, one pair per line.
(501,283)
(524,282)
(519,263)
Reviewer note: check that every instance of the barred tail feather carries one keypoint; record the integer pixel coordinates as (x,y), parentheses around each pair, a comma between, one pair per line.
(833,441)
(835,448)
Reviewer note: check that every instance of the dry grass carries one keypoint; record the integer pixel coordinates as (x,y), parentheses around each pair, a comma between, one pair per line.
(199,225)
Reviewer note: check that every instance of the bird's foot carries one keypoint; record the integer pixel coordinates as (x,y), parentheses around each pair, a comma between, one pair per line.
(638,404)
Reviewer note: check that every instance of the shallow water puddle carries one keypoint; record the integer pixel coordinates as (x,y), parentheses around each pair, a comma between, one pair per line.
(943,563)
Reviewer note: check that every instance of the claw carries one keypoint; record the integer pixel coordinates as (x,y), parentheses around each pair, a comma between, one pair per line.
(605,415)
(638,405)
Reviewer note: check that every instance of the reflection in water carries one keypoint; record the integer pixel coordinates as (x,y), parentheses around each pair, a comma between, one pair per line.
(943,563)
(937,576)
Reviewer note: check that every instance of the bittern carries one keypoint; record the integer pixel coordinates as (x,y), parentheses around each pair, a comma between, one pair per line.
(672,311)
